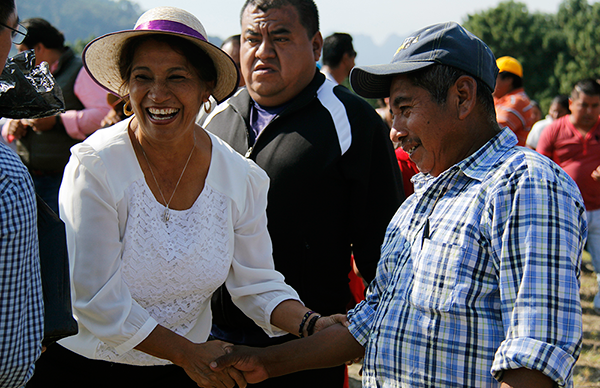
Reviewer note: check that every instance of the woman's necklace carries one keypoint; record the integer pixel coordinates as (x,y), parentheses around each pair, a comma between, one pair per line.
(166,215)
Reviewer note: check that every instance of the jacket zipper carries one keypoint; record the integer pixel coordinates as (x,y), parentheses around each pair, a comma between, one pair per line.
(249,152)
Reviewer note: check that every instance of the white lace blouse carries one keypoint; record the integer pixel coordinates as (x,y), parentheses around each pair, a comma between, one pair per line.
(131,271)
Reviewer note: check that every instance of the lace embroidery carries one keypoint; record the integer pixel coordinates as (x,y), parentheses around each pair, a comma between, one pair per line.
(172,268)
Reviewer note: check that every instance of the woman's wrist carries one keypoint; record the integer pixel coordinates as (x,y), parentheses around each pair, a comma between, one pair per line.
(166,344)
(307,325)
(310,327)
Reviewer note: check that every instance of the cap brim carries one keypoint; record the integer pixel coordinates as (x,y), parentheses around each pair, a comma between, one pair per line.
(101,57)
(375,81)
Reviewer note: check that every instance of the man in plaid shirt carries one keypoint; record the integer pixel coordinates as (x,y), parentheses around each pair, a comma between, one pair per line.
(21,305)
(478,282)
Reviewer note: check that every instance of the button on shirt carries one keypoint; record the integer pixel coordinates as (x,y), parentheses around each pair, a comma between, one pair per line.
(21,306)
(479,274)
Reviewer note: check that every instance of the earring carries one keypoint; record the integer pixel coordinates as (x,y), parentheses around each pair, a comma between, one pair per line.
(127,108)
(209,106)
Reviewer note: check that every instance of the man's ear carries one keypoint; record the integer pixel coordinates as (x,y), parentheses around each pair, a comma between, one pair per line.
(465,89)
(317,45)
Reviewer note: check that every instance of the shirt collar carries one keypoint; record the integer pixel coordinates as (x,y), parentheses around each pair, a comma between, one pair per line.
(475,166)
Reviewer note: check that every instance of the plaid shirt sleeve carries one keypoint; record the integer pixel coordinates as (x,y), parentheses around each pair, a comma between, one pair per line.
(21,304)
(536,236)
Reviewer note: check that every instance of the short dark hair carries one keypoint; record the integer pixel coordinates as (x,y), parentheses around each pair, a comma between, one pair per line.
(307,11)
(7,7)
(232,38)
(334,48)
(562,100)
(517,82)
(588,86)
(437,80)
(201,62)
(41,31)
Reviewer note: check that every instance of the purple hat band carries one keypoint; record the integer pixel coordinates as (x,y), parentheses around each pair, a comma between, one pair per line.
(169,26)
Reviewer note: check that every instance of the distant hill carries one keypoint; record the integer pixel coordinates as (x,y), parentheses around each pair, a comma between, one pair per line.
(82,20)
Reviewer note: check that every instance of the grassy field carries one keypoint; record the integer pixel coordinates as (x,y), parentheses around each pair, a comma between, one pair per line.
(587,370)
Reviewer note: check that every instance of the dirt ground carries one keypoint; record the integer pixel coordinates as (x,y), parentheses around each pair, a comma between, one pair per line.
(587,369)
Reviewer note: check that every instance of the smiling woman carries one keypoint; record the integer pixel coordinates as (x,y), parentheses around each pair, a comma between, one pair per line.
(158,212)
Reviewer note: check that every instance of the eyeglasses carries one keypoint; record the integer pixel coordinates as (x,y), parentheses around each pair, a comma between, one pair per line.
(18,34)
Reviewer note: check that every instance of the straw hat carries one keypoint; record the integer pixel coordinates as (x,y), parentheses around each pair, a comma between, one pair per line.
(101,56)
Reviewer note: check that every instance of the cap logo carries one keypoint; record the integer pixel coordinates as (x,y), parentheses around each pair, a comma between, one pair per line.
(407,43)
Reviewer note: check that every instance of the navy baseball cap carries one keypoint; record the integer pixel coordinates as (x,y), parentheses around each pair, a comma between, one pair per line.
(446,43)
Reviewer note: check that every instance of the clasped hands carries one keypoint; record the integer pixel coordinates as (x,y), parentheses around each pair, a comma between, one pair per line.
(16,129)
(245,364)
(224,365)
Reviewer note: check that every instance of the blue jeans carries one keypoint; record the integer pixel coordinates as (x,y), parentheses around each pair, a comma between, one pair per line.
(593,246)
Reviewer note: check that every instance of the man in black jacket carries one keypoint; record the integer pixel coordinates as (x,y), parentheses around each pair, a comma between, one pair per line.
(335,182)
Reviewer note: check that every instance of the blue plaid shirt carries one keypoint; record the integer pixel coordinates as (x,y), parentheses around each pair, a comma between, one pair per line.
(479,274)
(21,305)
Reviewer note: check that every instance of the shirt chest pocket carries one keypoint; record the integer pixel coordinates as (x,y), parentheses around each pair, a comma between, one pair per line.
(435,272)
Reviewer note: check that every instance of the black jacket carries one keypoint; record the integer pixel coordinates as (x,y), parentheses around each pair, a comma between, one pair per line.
(335,184)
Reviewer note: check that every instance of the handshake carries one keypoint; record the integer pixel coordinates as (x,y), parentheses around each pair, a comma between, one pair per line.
(224,365)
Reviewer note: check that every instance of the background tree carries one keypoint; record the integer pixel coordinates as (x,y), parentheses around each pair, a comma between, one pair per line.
(556,50)
(532,38)
(578,22)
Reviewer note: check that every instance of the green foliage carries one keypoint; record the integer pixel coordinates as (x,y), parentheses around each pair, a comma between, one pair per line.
(81,19)
(80,44)
(579,21)
(510,29)
(556,51)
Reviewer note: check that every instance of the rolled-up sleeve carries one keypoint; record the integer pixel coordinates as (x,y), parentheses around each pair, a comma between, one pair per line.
(254,284)
(538,244)
(102,302)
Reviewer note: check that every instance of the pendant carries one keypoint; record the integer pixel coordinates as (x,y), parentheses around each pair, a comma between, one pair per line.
(166,215)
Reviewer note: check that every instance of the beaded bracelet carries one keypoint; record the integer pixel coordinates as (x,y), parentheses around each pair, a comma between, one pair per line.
(310,328)
(301,329)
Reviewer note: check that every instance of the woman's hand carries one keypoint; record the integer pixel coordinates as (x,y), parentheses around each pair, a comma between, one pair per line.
(14,130)
(111,118)
(196,365)
(193,358)
(325,322)
(596,174)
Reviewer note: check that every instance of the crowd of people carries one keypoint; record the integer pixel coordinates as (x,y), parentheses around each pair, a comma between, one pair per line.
(221,203)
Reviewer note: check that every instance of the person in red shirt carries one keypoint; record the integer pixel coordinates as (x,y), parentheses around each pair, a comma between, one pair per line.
(513,107)
(573,142)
